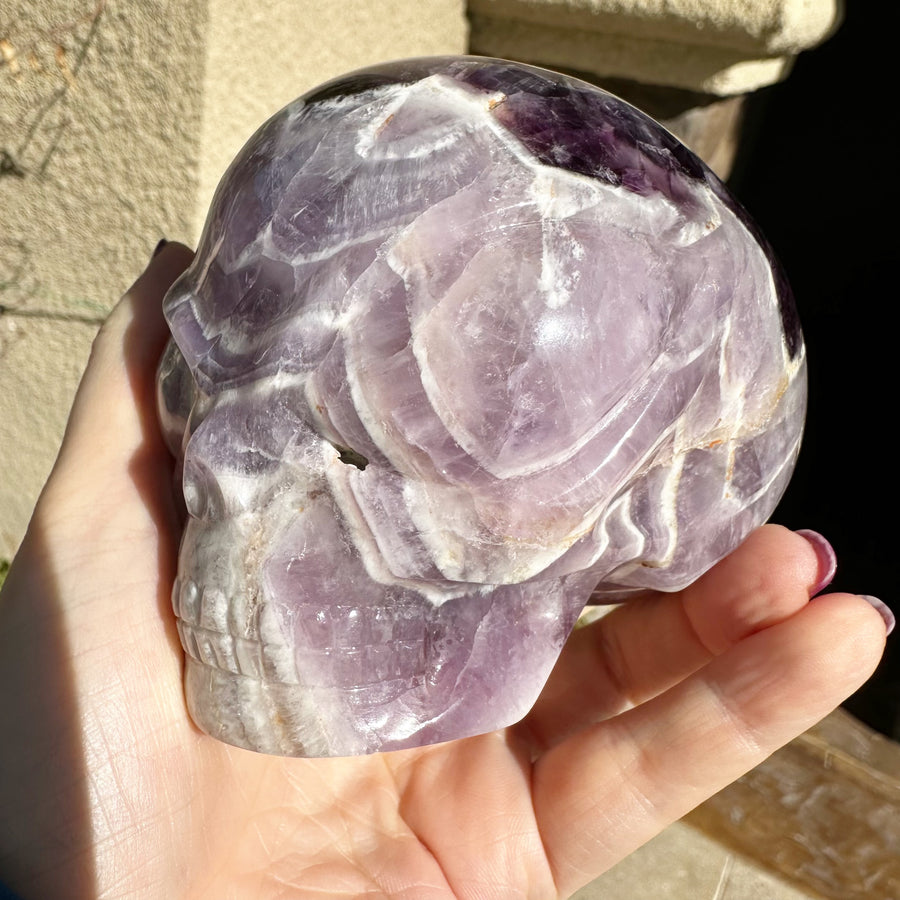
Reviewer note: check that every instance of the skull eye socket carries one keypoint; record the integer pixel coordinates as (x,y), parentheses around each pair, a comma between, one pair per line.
(202,494)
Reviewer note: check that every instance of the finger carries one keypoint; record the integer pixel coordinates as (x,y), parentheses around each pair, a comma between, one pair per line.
(646,645)
(610,788)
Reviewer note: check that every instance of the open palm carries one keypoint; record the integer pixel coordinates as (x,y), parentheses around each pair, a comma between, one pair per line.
(108,790)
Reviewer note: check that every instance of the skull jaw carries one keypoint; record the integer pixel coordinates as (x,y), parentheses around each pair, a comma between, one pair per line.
(250,694)
(228,707)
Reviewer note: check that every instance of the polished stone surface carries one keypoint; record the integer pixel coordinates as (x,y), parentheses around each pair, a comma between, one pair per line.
(464,341)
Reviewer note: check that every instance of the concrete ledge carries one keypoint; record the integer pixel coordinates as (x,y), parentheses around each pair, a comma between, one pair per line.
(718,48)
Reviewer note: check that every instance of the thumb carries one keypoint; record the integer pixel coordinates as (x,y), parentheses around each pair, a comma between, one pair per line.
(114,408)
(113,466)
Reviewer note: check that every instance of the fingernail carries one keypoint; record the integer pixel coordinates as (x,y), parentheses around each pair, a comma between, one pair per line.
(827,559)
(159,247)
(883,610)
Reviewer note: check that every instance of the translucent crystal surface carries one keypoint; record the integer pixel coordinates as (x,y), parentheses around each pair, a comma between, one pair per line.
(464,342)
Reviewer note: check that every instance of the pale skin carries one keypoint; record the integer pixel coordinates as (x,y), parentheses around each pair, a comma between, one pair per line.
(108,790)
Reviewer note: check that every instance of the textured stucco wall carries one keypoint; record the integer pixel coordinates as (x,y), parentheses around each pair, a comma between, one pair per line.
(100,110)
(116,121)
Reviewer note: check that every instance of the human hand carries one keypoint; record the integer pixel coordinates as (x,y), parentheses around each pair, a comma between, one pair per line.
(108,790)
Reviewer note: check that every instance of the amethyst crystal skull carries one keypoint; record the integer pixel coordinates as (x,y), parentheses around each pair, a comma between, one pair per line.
(464,342)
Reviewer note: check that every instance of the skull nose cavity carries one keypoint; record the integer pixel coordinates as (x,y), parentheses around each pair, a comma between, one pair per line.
(350,457)
(202,495)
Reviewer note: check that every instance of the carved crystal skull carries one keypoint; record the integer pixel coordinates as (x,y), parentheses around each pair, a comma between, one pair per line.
(464,342)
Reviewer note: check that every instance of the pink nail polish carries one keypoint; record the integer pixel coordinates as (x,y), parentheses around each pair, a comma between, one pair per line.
(827,559)
(883,610)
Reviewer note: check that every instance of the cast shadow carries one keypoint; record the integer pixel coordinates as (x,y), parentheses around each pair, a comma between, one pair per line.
(46,831)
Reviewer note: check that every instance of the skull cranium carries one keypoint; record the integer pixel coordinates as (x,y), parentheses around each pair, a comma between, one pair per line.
(430,386)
